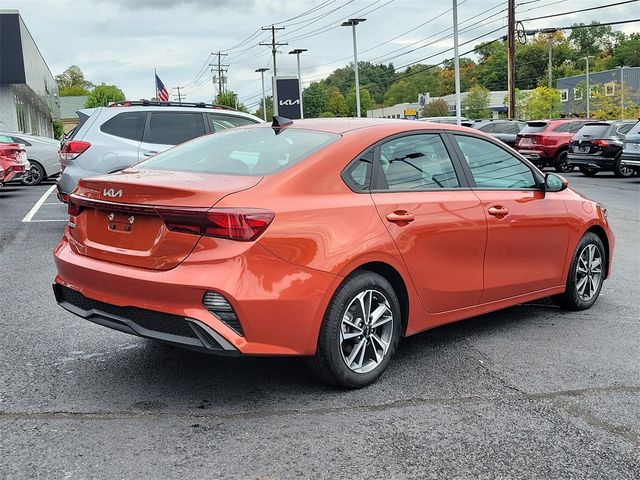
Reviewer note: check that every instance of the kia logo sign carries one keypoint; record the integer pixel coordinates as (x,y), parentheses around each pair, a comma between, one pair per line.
(287,97)
(289,102)
(112,192)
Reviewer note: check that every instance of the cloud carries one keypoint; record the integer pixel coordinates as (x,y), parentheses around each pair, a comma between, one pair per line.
(178,4)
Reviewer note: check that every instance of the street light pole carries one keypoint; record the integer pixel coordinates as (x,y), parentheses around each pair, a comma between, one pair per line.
(297,53)
(352,22)
(622,92)
(264,100)
(456,62)
(588,87)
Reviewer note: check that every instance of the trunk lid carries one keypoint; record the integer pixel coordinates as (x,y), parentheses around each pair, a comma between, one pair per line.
(119,217)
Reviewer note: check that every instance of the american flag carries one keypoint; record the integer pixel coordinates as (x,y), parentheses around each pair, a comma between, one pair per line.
(161,90)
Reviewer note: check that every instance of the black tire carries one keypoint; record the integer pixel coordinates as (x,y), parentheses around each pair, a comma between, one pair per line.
(329,363)
(622,171)
(571,298)
(589,172)
(35,176)
(560,163)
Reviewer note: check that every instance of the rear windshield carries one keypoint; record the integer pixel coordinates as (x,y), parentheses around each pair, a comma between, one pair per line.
(534,127)
(594,131)
(242,151)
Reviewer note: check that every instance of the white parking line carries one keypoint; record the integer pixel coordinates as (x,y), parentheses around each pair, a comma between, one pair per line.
(48,220)
(36,207)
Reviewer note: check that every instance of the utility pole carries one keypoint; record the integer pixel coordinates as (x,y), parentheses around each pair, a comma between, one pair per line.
(622,92)
(588,93)
(264,100)
(511,53)
(273,45)
(220,65)
(180,96)
(456,62)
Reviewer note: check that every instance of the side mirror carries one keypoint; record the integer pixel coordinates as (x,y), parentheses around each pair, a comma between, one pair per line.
(555,183)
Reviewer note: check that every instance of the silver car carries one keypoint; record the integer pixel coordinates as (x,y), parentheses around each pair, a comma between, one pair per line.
(108,139)
(42,153)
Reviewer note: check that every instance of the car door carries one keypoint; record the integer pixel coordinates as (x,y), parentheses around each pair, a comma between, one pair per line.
(436,222)
(119,146)
(528,229)
(166,129)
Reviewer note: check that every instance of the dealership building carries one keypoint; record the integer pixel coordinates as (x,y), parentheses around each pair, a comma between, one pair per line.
(28,92)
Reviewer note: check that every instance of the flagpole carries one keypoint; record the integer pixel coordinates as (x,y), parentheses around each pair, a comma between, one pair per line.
(155,75)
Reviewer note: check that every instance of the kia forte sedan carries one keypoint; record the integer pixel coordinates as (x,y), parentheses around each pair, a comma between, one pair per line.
(327,238)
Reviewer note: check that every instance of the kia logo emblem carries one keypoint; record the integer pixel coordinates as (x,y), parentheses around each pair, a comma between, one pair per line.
(289,102)
(112,192)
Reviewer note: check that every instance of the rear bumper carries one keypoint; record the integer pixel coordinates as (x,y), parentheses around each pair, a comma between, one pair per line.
(537,157)
(591,161)
(181,331)
(280,306)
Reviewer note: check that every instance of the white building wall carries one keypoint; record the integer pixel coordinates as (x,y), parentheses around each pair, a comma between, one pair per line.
(8,118)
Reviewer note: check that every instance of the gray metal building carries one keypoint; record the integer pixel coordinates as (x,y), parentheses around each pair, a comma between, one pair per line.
(572,89)
(28,91)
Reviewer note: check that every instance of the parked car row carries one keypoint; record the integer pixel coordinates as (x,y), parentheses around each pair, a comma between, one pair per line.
(42,155)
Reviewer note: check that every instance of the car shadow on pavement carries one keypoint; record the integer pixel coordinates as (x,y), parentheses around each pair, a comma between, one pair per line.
(162,377)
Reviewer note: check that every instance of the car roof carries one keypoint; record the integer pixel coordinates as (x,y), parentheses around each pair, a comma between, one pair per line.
(344,125)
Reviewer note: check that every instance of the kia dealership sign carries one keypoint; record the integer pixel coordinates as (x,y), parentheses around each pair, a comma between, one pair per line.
(286,99)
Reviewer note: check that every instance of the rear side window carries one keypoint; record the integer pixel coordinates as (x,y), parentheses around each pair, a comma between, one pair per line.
(173,128)
(506,127)
(358,173)
(492,167)
(417,162)
(575,126)
(218,122)
(624,128)
(82,118)
(128,125)
(488,128)
(22,141)
(251,151)
(563,128)
(534,127)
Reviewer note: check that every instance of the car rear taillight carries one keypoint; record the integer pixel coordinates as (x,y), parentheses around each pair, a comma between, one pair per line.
(242,224)
(600,143)
(73,208)
(71,150)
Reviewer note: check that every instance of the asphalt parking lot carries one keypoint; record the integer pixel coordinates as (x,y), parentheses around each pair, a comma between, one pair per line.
(528,392)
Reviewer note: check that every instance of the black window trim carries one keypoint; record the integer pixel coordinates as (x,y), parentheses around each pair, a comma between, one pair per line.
(537,175)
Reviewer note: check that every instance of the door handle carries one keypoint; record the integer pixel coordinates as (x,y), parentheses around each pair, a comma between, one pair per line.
(401,216)
(498,211)
(149,153)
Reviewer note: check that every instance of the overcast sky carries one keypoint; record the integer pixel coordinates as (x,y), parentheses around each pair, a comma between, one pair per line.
(121,41)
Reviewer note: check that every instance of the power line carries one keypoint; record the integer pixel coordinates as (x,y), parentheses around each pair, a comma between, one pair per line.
(582,10)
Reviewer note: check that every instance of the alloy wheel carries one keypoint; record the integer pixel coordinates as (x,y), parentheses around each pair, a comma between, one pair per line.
(366,331)
(34,176)
(589,272)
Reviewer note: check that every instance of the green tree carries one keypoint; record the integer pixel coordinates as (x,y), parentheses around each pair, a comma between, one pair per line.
(492,67)
(269,104)
(336,103)
(58,129)
(436,108)
(366,102)
(542,102)
(315,98)
(229,99)
(627,52)
(595,40)
(102,95)
(468,76)
(72,82)
(375,78)
(476,103)
(623,103)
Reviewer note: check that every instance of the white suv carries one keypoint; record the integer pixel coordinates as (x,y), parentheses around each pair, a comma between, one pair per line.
(108,139)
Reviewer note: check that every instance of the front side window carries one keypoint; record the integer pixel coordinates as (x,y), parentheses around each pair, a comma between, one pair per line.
(417,162)
(167,128)
(242,151)
(218,122)
(128,125)
(492,167)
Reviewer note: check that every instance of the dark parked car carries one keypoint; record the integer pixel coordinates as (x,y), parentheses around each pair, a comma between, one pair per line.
(504,130)
(598,147)
(631,149)
(545,143)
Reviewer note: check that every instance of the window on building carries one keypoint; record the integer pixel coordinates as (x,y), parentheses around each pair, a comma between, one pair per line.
(21,114)
(577,93)
(609,89)
(564,95)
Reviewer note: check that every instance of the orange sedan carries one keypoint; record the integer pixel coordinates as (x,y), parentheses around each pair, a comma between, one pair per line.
(326,238)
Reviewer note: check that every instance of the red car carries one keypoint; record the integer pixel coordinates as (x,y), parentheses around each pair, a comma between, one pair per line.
(328,238)
(545,143)
(13,161)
